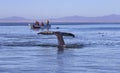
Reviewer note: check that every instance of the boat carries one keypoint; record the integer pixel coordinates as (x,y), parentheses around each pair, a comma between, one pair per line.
(41,25)
(33,26)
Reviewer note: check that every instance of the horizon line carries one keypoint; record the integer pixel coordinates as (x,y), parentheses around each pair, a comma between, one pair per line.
(60,16)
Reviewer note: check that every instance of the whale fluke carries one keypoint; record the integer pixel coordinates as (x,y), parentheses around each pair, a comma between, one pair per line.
(56,32)
(59,35)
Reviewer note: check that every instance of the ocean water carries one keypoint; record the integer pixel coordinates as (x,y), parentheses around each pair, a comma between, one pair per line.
(96,49)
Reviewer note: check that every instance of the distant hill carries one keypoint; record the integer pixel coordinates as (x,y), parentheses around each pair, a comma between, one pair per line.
(100,19)
(15,19)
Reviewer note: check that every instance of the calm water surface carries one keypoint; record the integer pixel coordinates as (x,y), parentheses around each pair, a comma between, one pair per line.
(23,51)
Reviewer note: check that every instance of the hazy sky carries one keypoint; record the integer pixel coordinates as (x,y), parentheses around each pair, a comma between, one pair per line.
(58,8)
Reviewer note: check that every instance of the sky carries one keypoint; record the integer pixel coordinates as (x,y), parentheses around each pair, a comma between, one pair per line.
(42,9)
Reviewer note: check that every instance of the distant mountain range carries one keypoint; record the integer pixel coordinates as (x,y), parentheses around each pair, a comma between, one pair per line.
(100,19)
(15,19)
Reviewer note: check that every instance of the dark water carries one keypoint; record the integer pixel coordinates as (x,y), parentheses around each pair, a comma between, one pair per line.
(23,51)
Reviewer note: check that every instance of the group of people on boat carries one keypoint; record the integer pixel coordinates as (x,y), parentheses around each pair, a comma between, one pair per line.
(41,25)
